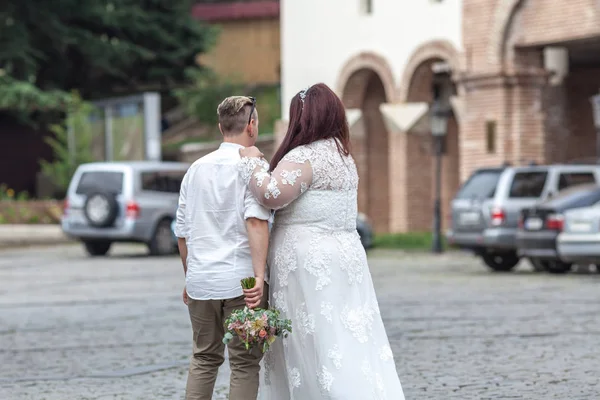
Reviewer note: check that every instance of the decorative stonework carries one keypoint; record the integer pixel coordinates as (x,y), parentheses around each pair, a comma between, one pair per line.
(351,83)
(436,49)
(501,22)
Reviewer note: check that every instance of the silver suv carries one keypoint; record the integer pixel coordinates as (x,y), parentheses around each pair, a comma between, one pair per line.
(485,212)
(111,202)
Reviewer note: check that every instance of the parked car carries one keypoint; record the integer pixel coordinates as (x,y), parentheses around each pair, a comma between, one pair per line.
(365,231)
(486,210)
(579,242)
(540,225)
(111,202)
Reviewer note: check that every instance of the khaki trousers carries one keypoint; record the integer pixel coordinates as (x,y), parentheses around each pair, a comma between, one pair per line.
(208,319)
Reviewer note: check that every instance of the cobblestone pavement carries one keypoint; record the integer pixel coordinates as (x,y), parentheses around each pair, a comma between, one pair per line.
(78,328)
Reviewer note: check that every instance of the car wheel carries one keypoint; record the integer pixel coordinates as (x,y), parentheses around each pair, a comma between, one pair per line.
(101,209)
(537,264)
(501,262)
(556,266)
(162,240)
(97,247)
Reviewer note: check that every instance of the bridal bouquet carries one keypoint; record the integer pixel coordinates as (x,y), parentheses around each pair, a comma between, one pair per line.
(256,327)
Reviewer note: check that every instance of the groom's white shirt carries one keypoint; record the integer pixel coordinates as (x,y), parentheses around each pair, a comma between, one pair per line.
(214,203)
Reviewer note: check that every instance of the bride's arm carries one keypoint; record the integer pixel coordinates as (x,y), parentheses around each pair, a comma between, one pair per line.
(285,184)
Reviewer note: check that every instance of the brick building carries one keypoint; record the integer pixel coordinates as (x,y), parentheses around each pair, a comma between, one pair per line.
(517,74)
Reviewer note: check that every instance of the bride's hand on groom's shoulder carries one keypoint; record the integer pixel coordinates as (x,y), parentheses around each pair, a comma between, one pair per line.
(251,151)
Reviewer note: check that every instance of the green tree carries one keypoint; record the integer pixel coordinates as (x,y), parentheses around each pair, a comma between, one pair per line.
(103,47)
(208,89)
(71,144)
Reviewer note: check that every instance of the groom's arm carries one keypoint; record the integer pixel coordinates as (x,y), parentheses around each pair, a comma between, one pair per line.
(182,245)
(181,228)
(258,239)
(257,225)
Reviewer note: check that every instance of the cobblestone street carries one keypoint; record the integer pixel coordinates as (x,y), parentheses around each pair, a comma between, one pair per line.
(78,328)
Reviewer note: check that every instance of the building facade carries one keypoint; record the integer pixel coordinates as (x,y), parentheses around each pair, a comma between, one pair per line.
(248,46)
(517,75)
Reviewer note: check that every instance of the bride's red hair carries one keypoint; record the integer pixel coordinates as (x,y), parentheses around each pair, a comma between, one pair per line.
(320,116)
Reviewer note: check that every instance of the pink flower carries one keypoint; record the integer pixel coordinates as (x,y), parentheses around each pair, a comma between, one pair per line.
(262,333)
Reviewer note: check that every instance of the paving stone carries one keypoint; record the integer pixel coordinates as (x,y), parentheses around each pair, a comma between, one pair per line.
(77,328)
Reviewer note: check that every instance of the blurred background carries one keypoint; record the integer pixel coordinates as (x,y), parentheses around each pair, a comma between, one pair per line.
(512,81)
(475,125)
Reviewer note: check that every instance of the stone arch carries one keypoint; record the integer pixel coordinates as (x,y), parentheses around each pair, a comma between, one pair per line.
(364,84)
(432,50)
(417,84)
(352,77)
(501,21)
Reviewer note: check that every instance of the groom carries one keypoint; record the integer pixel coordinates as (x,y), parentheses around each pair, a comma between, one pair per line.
(223,237)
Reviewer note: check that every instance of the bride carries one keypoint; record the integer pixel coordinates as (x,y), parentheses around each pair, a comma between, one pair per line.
(319,273)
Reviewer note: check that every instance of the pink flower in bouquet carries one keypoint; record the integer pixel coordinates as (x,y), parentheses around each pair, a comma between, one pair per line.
(256,327)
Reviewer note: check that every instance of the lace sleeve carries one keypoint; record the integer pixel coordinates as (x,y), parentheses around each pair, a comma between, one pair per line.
(291,178)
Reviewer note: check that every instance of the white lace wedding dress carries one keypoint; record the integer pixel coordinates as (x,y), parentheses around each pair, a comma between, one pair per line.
(319,278)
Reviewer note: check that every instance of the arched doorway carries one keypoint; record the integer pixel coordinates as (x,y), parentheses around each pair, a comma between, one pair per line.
(365,90)
(426,86)
(427,76)
(551,115)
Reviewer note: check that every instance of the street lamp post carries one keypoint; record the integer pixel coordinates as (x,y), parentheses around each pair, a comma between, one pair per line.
(596,108)
(439,129)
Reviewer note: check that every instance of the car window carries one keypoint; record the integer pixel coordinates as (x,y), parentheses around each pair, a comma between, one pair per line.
(528,184)
(162,181)
(568,179)
(100,181)
(481,185)
(582,196)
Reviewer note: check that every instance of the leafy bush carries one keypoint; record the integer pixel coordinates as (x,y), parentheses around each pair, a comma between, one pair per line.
(208,90)
(71,144)
(8,194)
(404,241)
(30,212)
(202,98)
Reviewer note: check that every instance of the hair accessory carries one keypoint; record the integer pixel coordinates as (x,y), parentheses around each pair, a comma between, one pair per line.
(303,94)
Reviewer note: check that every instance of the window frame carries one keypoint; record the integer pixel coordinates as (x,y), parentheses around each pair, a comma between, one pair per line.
(366,7)
(510,195)
(79,192)
(160,174)
(564,173)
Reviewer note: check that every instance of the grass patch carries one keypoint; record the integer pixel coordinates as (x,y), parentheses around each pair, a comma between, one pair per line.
(421,241)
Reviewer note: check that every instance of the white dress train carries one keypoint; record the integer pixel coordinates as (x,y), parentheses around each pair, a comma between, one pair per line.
(320,279)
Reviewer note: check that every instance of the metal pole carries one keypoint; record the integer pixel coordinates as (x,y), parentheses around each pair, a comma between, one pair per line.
(108,133)
(437,206)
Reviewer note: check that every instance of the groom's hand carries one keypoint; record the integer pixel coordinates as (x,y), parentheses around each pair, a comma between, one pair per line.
(251,151)
(254,296)
(185,296)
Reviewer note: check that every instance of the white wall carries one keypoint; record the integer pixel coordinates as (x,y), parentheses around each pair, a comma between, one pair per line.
(318,37)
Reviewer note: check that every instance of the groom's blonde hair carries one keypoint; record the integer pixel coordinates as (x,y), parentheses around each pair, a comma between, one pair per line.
(234,113)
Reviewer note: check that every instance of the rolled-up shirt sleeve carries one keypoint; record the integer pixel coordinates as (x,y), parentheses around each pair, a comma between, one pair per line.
(181,229)
(253,209)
